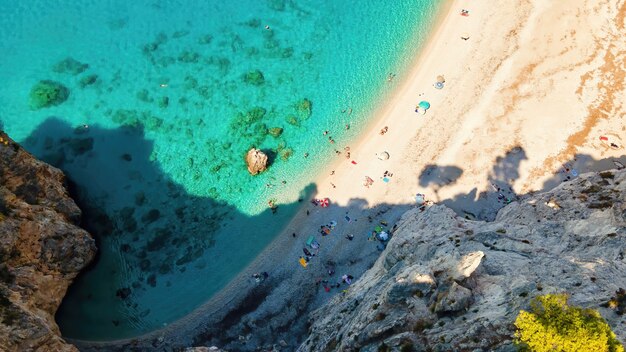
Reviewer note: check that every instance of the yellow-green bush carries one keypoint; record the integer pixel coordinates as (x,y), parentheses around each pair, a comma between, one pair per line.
(552,325)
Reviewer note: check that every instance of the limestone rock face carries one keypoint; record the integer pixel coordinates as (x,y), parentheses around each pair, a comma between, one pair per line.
(445,283)
(256,161)
(41,250)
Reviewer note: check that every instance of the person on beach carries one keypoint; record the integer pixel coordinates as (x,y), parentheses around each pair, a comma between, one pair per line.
(350,237)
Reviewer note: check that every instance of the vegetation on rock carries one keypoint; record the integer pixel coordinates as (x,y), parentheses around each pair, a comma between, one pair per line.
(553,325)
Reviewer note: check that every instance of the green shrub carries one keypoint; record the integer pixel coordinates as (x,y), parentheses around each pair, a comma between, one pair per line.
(552,325)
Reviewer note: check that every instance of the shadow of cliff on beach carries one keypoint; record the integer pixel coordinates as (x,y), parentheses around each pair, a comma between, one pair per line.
(159,246)
(485,205)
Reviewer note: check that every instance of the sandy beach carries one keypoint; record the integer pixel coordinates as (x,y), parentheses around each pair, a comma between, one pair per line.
(528,101)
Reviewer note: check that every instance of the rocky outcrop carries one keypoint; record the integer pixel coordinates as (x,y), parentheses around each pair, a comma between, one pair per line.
(445,283)
(256,161)
(41,250)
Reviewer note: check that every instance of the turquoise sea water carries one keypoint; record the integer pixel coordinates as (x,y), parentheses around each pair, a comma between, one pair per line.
(165,98)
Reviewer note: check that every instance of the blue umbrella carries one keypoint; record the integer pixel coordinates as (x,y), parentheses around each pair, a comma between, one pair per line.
(424,105)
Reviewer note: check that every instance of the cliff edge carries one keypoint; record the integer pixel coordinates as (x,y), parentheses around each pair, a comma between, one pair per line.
(445,283)
(41,250)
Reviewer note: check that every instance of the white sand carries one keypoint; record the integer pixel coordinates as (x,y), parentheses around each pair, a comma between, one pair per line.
(544,76)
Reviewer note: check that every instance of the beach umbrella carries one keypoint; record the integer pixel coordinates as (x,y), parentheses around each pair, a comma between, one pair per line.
(419,198)
(439,85)
(441,79)
(383,236)
(383,156)
(325,202)
(424,105)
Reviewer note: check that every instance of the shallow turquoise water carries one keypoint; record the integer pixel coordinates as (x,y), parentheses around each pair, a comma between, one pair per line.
(173,100)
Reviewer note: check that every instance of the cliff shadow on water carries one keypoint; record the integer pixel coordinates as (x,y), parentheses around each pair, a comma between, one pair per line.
(159,246)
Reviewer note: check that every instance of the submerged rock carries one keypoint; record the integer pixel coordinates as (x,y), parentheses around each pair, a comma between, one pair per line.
(275,131)
(255,78)
(47,93)
(256,161)
(70,66)
(87,80)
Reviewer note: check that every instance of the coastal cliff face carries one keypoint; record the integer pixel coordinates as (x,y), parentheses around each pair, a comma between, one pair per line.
(41,250)
(445,283)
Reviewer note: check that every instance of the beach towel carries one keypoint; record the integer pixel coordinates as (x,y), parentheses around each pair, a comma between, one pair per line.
(385,179)
(303,262)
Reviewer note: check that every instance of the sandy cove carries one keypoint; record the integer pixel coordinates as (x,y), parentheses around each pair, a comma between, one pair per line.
(534,96)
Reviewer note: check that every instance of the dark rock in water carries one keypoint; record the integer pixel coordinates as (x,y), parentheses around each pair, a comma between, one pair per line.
(47,93)
(140,198)
(254,77)
(180,34)
(165,268)
(287,53)
(144,265)
(152,280)
(164,102)
(123,292)
(277,5)
(304,108)
(286,153)
(80,146)
(125,248)
(70,66)
(275,131)
(144,96)
(205,39)
(159,241)
(151,216)
(292,120)
(188,57)
(256,161)
(88,80)
(127,157)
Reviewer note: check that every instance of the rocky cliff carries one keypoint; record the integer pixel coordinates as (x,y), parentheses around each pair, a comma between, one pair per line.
(445,283)
(41,250)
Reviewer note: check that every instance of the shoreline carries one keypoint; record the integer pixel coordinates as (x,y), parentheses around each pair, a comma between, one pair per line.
(500,98)
(242,280)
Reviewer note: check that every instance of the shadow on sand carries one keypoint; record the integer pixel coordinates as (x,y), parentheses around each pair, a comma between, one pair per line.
(156,240)
(160,246)
(484,205)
